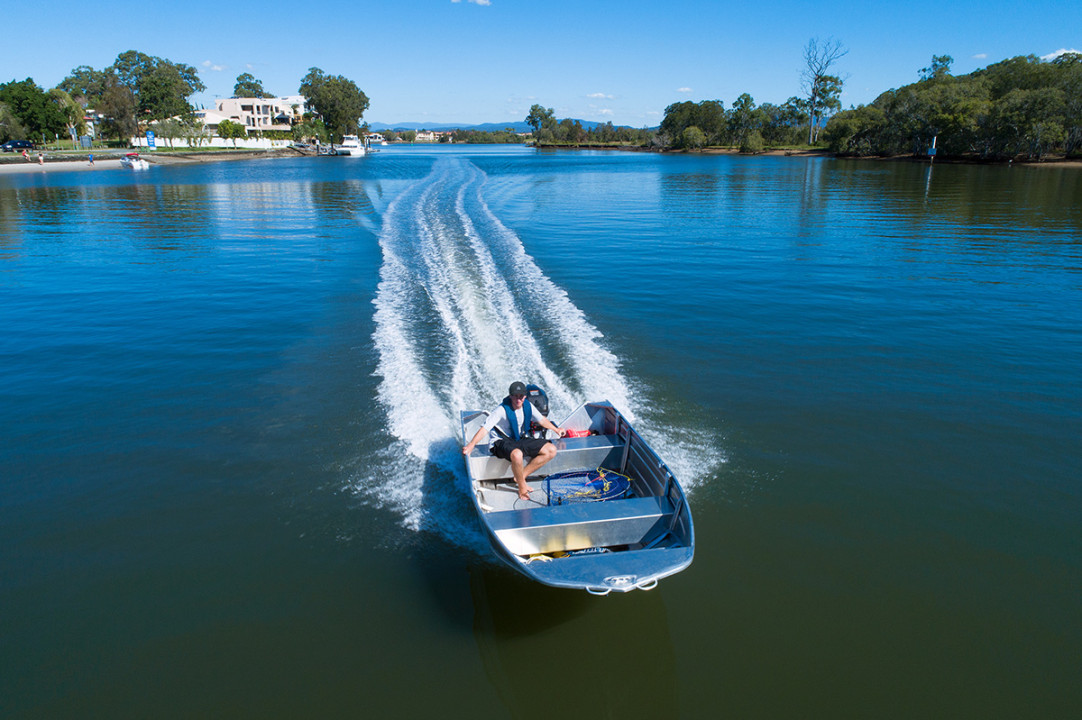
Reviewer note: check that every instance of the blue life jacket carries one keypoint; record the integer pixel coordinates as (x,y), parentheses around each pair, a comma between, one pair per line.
(527,415)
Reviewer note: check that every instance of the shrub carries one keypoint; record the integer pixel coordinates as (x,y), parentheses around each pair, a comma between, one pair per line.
(692,137)
(752,143)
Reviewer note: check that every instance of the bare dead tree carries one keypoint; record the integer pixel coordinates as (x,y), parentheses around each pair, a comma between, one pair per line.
(819,86)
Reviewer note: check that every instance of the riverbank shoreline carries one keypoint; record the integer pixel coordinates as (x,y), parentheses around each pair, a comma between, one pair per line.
(823,153)
(68,161)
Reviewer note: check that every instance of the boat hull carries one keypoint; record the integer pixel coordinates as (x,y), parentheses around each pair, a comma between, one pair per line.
(134,163)
(615,545)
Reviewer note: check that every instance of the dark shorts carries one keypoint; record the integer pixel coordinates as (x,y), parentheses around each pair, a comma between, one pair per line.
(530,447)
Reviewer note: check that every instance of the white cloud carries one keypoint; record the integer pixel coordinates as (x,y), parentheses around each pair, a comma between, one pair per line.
(606,112)
(1056,54)
(212,67)
(475,2)
(685,90)
(980,56)
(601,96)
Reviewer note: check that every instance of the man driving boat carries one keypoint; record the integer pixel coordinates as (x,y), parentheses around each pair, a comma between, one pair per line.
(508,426)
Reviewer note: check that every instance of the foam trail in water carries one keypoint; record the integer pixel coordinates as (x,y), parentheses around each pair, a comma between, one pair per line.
(461,311)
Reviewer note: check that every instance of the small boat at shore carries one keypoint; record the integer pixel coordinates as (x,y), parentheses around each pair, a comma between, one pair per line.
(351,146)
(610,515)
(132,161)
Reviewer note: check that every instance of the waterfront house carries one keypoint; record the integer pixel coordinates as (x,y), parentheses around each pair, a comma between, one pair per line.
(277,113)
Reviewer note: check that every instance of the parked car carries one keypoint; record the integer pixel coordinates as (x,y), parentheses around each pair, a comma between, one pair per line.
(13,145)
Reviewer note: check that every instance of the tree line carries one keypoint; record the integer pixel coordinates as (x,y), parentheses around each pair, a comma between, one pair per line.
(547,130)
(687,125)
(693,125)
(140,89)
(1021,107)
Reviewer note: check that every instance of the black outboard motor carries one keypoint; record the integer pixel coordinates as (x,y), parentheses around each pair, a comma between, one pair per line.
(539,400)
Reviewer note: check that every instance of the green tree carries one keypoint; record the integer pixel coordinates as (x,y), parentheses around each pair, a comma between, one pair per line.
(708,116)
(692,138)
(10,127)
(228,129)
(248,86)
(744,118)
(169,130)
(822,89)
(310,129)
(130,67)
(117,105)
(856,131)
(540,117)
(37,113)
(783,124)
(1067,76)
(337,99)
(752,143)
(678,117)
(85,85)
(1029,122)
(189,130)
(569,132)
(939,69)
(72,112)
(164,92)
(711,118)
(1020,106)
(409,135)
(160,88)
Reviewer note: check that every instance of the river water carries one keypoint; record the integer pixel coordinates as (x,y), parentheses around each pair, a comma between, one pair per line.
(230,482)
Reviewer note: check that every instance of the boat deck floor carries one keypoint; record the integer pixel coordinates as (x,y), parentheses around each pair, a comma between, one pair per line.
(497,497)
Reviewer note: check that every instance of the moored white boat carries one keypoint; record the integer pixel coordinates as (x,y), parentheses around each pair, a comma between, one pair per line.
(624,524)
(133,161)
(351,146)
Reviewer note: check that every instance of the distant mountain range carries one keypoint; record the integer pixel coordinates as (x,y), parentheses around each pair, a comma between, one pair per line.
(519,126)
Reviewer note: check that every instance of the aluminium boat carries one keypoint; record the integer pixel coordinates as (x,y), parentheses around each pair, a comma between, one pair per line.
(608,516)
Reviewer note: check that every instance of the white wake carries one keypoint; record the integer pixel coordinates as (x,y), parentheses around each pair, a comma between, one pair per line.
(461,311)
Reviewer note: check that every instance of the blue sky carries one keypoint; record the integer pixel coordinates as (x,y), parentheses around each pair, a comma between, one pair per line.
(474,61)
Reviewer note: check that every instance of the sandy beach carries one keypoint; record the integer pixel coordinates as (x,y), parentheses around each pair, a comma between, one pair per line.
(111,161)
(59,166)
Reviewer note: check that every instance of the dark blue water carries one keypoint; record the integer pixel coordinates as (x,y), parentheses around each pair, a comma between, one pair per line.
(230,480)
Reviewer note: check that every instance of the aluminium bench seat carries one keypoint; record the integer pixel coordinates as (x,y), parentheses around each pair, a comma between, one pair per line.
(577,526)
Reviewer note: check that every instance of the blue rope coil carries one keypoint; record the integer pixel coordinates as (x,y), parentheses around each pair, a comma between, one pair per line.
(576,486)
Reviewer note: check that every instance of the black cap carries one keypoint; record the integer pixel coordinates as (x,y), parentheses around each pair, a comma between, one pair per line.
(517,388)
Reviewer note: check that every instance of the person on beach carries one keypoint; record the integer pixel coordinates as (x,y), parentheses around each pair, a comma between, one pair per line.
(41,159)
(26,157)
(91,158)
(508,426)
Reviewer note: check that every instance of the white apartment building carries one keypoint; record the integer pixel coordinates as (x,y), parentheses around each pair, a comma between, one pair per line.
(276,113)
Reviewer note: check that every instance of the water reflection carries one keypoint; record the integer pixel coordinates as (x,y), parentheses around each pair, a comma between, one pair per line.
(997,201)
